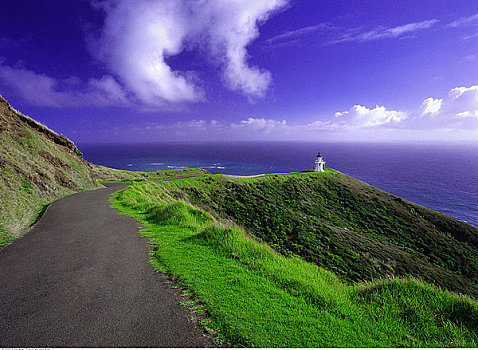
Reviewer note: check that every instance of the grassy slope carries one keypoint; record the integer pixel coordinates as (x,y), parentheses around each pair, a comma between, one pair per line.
(38,166)
(344,225)
(257,297)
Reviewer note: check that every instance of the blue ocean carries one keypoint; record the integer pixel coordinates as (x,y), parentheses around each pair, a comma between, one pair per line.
(442,177)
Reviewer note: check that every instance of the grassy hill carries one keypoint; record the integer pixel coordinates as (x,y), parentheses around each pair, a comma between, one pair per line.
(38,166)
(335,221)
(256,297)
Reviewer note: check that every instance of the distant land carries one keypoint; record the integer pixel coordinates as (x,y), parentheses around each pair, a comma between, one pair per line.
(282,260)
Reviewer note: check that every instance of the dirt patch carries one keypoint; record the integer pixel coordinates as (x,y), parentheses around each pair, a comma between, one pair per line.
(55,161)
(64,181)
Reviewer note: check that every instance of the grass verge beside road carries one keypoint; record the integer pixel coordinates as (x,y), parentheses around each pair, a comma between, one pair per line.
(257,297)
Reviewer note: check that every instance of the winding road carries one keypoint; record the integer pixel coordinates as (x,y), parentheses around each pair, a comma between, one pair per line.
(80,278)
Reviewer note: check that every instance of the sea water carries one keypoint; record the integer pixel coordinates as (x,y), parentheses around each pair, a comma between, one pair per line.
(441,177)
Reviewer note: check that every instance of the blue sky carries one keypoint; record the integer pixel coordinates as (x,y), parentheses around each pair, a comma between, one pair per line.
(225,70)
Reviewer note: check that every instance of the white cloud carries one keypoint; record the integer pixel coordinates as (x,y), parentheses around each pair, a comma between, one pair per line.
(235,26)
(430,105)
(379,33)
(192,124)
(471,36)
(293,35)
(135,42)
(361,117)
(454,117)
(459,100)
(138,36)
(465,21)
(260,124)
(458,110)
(42,90)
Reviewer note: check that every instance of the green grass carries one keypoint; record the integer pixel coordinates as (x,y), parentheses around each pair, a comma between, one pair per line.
(5,238)
(257,297)
(343,224)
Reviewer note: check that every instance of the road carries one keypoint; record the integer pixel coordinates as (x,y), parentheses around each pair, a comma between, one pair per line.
(80,278)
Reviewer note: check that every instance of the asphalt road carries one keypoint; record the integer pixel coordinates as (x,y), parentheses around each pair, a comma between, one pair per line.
(80,278)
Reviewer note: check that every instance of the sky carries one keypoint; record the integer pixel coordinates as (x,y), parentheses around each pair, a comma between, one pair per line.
(128,71)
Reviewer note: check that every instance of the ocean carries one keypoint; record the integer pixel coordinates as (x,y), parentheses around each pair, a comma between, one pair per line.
(441,177)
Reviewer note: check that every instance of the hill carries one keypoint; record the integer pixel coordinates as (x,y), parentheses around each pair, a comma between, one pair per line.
(256,297)
(345,225)
(38,166)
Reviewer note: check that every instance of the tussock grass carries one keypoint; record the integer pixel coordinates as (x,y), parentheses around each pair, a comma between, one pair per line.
(257,297)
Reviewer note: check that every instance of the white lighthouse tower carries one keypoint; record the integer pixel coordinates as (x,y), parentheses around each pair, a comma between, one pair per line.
(319,163)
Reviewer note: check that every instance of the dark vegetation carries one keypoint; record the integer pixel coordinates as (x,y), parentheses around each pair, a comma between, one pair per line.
(355,230)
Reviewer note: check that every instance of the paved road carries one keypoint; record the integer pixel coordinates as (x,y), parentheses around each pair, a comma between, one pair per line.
(80,278)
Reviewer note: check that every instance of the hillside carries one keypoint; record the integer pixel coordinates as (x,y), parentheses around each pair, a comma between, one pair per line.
(38,166)
(255,297)
(340,223)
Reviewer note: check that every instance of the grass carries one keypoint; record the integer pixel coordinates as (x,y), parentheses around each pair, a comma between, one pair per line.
(355,230)
(35,171)
(38,166)
(257,297)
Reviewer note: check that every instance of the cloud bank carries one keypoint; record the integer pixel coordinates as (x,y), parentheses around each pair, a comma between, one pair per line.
(454,117)
(42,90)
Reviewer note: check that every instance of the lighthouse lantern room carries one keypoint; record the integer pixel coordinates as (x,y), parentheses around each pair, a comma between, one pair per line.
(319,163)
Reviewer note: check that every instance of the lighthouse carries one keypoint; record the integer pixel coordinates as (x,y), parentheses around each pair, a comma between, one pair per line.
(319,163)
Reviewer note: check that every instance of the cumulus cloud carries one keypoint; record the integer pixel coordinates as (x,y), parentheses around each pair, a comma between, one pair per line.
(362,117)
(135,42)
(430,106)
(138,37)
(458,110)
(42,90)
